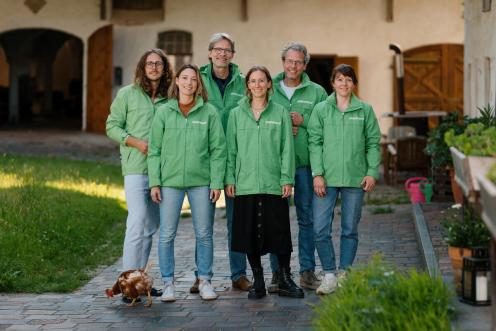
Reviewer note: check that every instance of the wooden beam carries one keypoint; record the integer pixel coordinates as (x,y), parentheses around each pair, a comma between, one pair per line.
(244,10)
(103,10)
(389,10)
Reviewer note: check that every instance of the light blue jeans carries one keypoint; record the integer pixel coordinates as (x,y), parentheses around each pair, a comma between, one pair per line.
(323,212)
(303,195)
(170,211)
(142,222)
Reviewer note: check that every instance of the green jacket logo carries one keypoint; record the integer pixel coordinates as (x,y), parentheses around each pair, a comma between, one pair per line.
(273,122)
(356,119)
(199,122)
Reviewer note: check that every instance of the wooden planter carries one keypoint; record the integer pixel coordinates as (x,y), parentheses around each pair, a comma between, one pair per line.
(456,255)
(488,202)
(466,167)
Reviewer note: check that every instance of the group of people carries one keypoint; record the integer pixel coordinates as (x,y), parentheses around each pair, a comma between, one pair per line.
(203,130)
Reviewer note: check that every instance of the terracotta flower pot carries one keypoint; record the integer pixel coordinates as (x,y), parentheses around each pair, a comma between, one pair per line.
(455,188)
(456,255)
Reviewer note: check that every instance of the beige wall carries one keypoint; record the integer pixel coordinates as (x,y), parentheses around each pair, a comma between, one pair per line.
(480,57)
(341,27)
(338,27)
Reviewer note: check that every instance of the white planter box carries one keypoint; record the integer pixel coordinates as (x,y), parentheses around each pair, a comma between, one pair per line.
(467,167)
(488,202)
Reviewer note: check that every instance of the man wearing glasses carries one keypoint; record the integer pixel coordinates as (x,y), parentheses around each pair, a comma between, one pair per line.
(225,87)
(129,124)
(295,92)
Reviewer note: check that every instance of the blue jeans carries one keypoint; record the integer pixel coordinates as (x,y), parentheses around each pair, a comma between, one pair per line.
(323,212)
(201,210)
(303,195)
(237,260)
(142,222)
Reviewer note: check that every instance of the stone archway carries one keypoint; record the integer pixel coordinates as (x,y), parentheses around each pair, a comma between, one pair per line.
(45,79)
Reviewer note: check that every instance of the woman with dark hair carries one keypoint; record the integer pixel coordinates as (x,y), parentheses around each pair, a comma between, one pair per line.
(129,122)
(187,155)
(344,153)
(259,176)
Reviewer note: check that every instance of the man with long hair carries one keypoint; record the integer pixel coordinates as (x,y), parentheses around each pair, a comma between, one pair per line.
(129,123)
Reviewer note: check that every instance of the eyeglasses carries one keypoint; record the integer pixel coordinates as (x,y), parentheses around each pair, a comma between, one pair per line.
(157,64)
(298,63)
(219,50)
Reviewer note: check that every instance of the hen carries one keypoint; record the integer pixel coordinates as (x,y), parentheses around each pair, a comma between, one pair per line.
(133,283)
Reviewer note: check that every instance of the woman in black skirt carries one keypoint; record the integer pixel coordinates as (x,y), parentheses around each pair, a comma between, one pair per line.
(260,176)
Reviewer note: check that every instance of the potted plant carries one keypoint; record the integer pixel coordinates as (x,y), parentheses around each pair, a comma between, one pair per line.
(462,231)
(473,152)
(488,198)
(439,151)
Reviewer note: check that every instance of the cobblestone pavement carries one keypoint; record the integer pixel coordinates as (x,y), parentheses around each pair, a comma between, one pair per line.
(392,235)
(88,309)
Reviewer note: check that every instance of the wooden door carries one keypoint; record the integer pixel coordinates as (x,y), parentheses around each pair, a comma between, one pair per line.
(99,92)
(433,78)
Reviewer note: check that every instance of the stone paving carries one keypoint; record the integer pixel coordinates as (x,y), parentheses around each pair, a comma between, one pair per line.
(392,235)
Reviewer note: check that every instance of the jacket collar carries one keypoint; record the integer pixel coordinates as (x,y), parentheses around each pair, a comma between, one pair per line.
(305,80)
(207,71)
(355,103)
(173,105)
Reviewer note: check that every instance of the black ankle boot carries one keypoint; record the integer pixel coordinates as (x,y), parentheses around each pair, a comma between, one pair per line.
(257,291)
(288,288)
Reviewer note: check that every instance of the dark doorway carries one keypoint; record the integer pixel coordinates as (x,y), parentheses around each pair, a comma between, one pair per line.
(319,70)
(45,73)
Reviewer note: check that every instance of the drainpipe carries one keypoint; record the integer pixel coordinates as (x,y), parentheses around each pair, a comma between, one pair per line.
(398,58)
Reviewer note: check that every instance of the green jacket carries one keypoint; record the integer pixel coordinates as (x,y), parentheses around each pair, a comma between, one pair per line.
(187,151)
(260,157)
(234,91)
(306,96)
(131,113)
(344,146)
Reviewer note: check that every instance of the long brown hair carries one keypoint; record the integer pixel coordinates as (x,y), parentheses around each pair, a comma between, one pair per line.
(142,81)
(269,79)
(200,89)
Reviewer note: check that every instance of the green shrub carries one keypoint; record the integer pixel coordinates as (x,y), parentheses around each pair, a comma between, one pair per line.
(476,140)
(377,297)
(463,228)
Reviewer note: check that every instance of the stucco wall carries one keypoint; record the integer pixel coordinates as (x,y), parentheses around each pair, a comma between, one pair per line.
(345,28)
(480,57)
(338,27)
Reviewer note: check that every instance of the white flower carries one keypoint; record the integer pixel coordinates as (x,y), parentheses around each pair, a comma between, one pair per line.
(457,206)
(388,273)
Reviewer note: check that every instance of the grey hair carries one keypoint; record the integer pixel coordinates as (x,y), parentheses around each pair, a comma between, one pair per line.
(216,37)
(295,46)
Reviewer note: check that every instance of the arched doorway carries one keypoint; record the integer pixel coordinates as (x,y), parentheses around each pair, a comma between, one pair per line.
(45,75)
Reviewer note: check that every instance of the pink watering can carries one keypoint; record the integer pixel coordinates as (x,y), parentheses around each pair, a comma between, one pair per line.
(413,187)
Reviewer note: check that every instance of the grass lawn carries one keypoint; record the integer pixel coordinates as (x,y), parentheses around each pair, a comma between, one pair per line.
(59,221)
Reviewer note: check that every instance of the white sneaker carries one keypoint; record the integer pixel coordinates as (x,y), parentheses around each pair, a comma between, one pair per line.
(206,290)
(328,285)
(168,292)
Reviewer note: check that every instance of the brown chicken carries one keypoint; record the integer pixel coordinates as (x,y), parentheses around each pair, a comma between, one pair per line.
(133,283)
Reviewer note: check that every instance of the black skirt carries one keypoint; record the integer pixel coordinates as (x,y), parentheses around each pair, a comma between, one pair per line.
(261,225)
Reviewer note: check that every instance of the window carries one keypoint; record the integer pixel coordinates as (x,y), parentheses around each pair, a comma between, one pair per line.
(137,5)
(178,46)
(132,12)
